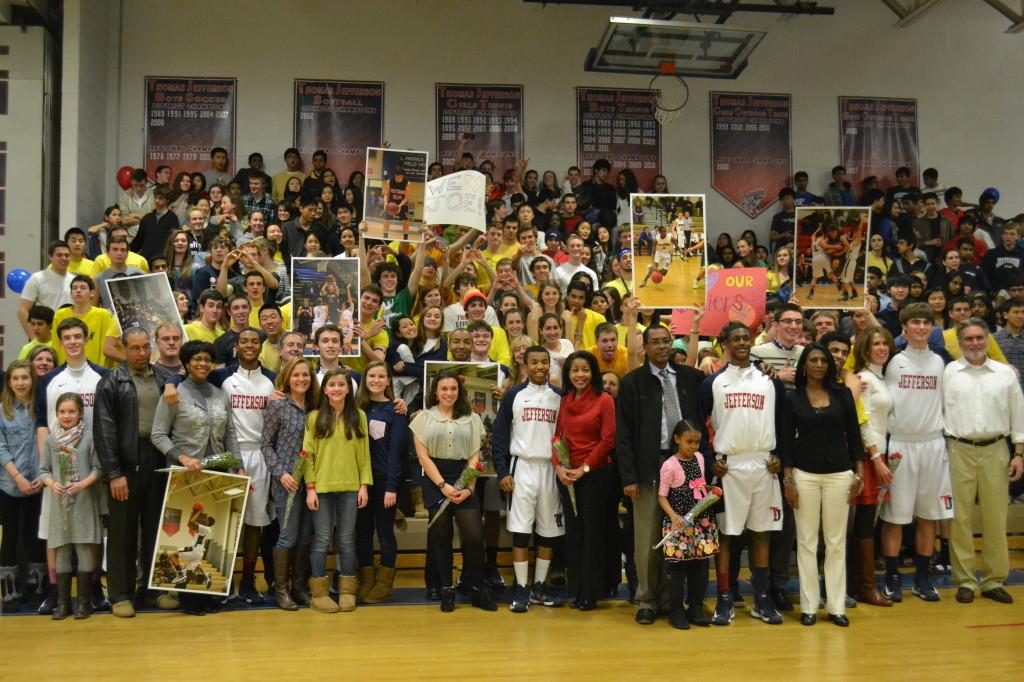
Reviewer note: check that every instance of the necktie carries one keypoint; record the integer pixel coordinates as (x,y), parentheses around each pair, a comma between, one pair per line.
(669,401)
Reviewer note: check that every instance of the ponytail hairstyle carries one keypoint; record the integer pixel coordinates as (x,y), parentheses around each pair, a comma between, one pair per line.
(684,426)
(324,426)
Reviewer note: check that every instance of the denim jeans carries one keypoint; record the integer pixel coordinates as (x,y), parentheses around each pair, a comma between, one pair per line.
(337,514)
(300,521)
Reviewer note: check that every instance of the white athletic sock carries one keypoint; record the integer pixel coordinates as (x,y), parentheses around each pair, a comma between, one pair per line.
(541,569)
(522,569)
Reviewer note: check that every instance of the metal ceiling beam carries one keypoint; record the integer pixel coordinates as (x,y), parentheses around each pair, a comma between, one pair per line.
(1016,17)
(704,7)
(911,13)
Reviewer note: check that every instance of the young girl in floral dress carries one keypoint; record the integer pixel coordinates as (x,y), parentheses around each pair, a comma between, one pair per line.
(684,484)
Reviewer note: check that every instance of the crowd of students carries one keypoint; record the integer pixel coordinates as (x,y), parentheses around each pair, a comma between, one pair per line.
(639,419)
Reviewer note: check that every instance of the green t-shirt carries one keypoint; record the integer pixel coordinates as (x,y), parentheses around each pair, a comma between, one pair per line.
(393,306)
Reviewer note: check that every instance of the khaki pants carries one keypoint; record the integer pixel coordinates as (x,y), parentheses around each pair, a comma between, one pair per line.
(823,504)
(982,473)
(647,515)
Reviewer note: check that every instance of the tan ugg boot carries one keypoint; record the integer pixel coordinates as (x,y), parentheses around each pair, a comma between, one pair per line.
(416,493)
(382,589)
(366,577)
(347,602)
(321,601)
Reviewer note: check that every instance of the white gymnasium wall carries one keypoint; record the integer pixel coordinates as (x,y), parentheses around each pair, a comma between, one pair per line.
(21,130)
(88,143)
(956,61)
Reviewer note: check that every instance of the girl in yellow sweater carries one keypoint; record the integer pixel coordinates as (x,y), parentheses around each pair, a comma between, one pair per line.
(337,474)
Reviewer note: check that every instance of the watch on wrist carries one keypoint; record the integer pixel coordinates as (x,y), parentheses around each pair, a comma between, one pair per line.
(586,468)
(788,480)
(441,485)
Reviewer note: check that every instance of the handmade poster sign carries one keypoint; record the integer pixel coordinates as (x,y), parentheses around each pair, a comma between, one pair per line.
(457,199)
(734,295)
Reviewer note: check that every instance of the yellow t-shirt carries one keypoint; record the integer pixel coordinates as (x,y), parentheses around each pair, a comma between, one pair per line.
(380,341)
(882,264)
(83,266)
(27,348)
(619,364)
(101,323)
(500,351)
(286,316)
(195,331)
(269,357)
(134,260)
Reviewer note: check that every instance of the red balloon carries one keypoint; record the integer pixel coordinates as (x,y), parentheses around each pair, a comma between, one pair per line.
(124,176)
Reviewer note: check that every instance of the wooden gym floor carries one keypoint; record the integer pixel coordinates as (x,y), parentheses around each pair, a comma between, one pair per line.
(911,641)
(676,289)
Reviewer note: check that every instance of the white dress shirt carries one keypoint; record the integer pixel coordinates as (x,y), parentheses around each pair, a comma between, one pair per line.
(982,401)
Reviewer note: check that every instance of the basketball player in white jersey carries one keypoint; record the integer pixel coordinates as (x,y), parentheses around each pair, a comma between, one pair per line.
(821,257)
(846,277)
(663,247)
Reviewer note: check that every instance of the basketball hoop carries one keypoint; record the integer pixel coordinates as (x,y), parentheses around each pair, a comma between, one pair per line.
(671,95)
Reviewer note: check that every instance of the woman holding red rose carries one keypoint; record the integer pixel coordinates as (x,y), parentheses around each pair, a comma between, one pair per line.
(447,436)
(584,405)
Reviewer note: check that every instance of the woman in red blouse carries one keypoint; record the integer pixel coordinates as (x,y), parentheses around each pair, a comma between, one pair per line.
(586,423)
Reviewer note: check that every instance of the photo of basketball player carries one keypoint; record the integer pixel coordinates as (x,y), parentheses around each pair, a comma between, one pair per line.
(199,556)
(829,269)
(144,301)
(667,236)
(328,289)
(394,193)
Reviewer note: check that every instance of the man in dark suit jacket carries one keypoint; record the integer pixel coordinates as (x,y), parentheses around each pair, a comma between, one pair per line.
(643,442)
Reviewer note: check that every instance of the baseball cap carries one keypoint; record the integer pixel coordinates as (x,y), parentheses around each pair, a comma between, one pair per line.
(553,234)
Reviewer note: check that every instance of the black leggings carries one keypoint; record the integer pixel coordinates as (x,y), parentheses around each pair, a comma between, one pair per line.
(471,539)
(375,517)
(693,574)
(20,519)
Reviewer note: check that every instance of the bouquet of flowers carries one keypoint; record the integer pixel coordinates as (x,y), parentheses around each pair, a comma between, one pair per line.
(469,474)
(221,461)
(703,504)
(68,461)
(561,451)
(298,467)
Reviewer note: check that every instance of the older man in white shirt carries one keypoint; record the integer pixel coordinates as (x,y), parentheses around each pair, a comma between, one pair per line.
(983,404)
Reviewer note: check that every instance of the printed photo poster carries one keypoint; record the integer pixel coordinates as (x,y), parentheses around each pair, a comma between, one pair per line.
(326,291)
(198,538)
(751,155)
(668,249)
(479,379)
(342,118)
(831,247)
(145,301)
(734,295)
(490,116)
(185,119)
(876,136)
(618,124)
(394,193)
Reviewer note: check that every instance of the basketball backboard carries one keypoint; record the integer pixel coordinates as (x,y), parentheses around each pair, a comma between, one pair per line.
(640,46)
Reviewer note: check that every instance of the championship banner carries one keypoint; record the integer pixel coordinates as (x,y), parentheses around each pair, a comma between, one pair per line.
(342,118)
(490,116)
(185,119)
(876,136)
(751,156)
(734,295)
(618,125)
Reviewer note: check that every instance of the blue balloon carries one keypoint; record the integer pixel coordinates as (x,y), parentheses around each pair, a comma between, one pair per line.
(16,280)
(994,192)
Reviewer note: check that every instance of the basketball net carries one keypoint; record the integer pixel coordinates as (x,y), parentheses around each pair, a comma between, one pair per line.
(670,93)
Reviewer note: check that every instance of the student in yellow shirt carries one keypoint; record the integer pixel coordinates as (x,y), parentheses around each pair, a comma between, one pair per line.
(207,327)
(101,345)
(40,322)
(79,265)
(475,305)
(134,260)
(581,323)
(372,332)
(611,357)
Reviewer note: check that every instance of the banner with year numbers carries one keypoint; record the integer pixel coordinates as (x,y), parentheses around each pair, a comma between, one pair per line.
(342,118)
(877,135)
(492,117)
(751,156)
(618,124)
(185,119)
